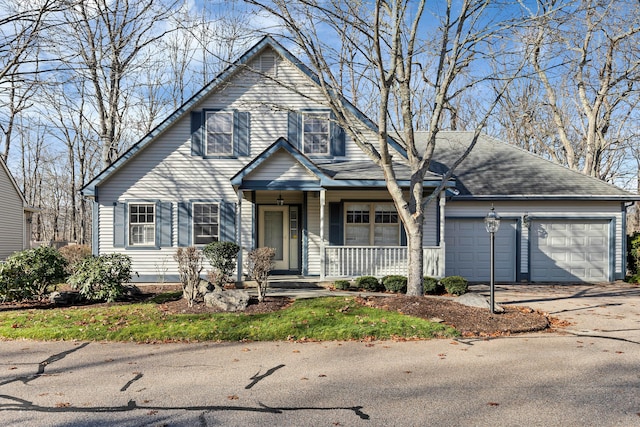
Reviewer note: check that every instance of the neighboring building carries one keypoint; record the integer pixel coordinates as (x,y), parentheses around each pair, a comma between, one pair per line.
(15,216)
(258,162)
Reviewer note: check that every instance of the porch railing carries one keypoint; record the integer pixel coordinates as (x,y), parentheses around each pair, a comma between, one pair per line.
(352,261)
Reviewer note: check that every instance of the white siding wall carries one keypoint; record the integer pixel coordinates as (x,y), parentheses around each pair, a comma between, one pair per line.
(11,217)
(547,209)
(313,229)
(281,166)
(166,171)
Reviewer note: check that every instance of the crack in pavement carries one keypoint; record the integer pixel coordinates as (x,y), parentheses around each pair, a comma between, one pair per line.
(42,365)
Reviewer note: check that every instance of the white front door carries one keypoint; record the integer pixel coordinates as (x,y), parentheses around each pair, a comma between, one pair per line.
(274,233)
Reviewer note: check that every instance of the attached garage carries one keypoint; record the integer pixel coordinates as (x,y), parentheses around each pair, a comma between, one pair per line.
(570,251)
(468,250)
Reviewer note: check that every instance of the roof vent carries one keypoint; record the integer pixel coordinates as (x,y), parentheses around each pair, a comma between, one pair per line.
(268,65)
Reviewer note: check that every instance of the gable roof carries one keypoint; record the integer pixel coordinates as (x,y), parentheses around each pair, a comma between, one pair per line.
(90,188)
(497,170)
(359,174)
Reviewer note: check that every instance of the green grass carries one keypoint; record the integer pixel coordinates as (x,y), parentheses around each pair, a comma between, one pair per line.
(331,318)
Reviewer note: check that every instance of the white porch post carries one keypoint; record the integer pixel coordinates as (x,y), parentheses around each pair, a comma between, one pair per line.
(322,254)
(239,234)
(441,263)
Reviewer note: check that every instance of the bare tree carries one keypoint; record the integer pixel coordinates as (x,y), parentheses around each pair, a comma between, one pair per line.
(402,47)
(586,57)
(110,42)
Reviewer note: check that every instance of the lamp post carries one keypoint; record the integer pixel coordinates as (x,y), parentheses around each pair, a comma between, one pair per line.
(492,223)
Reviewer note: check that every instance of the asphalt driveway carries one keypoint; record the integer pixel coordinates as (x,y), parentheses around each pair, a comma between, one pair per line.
(586,374)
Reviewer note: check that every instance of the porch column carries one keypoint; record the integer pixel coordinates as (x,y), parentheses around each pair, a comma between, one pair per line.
(322,255)
(239,234)
(441,261)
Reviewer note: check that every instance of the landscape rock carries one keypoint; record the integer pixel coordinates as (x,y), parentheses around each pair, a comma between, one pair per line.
(472,299)
(64,298)
(227,300)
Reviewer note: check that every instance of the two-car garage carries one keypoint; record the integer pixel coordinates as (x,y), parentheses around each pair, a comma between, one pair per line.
(557,250)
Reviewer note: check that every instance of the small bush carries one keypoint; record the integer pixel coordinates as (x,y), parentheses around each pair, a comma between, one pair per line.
(455,285)
(102,278)
(432,286)
(222,257)
(29,273)
(74,254)
(395,283)
(342,285)
(259,266)
(189,268)
(369,283)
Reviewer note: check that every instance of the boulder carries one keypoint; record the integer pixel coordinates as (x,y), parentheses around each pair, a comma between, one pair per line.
(473,299)
(227,300)
(64,298)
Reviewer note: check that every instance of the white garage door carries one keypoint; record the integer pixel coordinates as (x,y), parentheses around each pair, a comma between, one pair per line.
(468,250)
(569,251)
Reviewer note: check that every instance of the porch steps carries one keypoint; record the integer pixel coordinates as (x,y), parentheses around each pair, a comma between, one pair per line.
(291,282)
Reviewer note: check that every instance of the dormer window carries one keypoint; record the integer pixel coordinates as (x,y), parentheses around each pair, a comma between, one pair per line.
(315,133)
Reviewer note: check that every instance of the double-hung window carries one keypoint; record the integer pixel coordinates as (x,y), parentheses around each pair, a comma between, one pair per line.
(371,224)
(206,223)
(219,133)
(142,224)
(316,133)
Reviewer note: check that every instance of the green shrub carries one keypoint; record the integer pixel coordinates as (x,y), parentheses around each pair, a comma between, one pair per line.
(342,285)
(455,285)
(102,278)
(369,283)
(633,255)
(395,283)
(74,254)
(222,257)
(432,286)
(29,273)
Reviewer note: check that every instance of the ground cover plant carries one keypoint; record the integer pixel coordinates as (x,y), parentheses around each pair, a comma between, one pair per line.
(327,318)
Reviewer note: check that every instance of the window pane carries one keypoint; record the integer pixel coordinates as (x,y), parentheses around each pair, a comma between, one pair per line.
(142,228)
(386,235)
(316,134)
(357,235)
(219,133)
(205,223)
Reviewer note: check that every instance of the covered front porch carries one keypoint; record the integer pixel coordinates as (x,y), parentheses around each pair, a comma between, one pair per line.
(329,220)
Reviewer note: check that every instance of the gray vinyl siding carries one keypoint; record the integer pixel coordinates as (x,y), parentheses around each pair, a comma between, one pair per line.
(166,171)
(11,217)
(281,166)
(548,210)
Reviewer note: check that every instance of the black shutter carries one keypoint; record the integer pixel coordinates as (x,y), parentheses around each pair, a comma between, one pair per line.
(241,133)
(336,226)
(403,235)
(197,134)
(295,129)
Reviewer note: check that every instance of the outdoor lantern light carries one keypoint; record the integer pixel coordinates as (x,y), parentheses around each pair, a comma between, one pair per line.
(492,223)
(280,200)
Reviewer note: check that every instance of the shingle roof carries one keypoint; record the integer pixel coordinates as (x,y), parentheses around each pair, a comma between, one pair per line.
(496,169)
(367,170)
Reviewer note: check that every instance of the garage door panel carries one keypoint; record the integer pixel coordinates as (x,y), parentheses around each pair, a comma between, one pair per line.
(569,250)
(468,250)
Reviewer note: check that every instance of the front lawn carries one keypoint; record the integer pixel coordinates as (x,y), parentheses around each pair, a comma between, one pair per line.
(329,318)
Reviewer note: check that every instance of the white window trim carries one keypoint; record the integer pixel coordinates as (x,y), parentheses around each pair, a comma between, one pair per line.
(209,114)
(193,222)
(145,224)
(372,221)
(317,115)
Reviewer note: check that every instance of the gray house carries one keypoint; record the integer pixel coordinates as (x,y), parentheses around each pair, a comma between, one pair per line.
(15,215)
(255,157)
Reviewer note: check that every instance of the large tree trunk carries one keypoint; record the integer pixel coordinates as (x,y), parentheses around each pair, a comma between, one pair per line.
(416,261)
